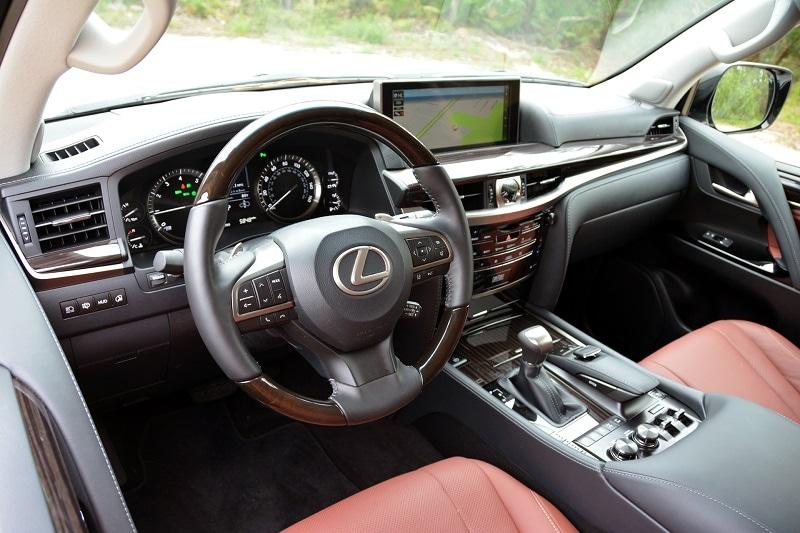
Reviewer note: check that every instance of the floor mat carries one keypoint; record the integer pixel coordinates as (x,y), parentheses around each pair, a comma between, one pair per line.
(200,475)
(235,466)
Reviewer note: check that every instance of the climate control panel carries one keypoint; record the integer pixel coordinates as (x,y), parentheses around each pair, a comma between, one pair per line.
(507,254)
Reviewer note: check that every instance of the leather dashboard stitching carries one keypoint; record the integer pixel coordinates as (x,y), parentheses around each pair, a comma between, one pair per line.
(78,391)
(690,490)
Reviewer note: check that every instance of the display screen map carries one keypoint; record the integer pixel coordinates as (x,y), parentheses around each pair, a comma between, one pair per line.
(454,117)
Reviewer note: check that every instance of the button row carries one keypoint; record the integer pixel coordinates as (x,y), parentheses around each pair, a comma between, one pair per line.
(503,258)
(277,318)
(429,273)
(600,431)
(91,304)
(263,292)
(427,249)
(484,249)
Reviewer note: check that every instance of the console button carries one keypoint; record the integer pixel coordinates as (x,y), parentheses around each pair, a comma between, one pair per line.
(101,301)
(69,308)
(586,353)
(85,305)
(263,292)
(623,450)
(646,436)
(118,297)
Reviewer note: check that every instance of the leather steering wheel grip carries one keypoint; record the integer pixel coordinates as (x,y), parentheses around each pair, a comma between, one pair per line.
(210,279)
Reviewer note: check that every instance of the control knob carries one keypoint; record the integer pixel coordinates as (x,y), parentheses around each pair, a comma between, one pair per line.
(623,450)
(646,436)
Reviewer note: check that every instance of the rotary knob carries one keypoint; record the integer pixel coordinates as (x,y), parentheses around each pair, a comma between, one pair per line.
(623,450)
(646,436)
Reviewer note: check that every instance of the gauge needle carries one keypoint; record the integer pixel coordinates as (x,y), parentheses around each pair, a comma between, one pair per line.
(129,213)
(290,191)
(162,211)
(138,238)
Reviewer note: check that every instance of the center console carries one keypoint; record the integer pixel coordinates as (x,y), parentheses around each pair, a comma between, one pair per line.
(622,416)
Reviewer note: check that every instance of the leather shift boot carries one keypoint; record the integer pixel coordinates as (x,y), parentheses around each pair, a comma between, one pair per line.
(539,392)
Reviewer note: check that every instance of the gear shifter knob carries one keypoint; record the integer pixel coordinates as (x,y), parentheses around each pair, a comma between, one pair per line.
(536,342)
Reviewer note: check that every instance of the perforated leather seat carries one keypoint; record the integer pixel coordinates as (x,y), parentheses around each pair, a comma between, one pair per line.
(738,358)
(453,495)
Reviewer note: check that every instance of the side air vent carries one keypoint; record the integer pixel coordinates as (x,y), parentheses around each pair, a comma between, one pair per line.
(662,126)
(69,218)
(75,149)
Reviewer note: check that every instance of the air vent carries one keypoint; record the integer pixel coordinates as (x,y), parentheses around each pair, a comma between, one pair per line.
(541,182)
(662,126)
(471,195)
(74,149)
(69,218)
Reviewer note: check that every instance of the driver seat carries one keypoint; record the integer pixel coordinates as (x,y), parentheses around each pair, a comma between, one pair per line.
(455,494)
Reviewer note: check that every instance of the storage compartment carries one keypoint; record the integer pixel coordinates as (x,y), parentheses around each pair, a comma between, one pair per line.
(123,358)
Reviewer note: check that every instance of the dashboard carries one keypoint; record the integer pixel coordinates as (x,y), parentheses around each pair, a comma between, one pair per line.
(87,228)
(286,182)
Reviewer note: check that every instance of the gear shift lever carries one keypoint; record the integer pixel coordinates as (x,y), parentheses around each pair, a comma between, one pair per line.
(536,389)
(536,342)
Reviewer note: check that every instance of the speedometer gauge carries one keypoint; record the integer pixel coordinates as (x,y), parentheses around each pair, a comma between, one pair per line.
(169,200)
(288,188)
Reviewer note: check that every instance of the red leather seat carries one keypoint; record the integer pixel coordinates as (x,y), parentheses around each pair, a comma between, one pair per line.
(456,494)
(738,358)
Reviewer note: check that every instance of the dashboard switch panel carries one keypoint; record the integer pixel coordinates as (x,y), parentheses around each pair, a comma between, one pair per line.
(90,304)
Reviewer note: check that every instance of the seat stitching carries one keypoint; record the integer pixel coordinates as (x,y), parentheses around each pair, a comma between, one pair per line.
(751,365)
(546,514)
(441,485)
(669,371)
(688,489)
(489,479)
(779,342)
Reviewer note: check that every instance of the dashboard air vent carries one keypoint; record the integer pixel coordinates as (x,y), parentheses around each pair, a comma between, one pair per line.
(537,183)
(471,195)
(69,218)
(662,126)
(75,149)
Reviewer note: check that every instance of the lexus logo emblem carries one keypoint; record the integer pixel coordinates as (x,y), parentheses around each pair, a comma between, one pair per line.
(361,284)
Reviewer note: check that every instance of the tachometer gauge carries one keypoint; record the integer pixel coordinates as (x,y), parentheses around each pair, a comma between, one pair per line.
(288,188)
(169,200)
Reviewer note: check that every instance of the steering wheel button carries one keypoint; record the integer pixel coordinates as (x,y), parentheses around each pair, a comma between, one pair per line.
(276,281)
(279,296)
(247,305)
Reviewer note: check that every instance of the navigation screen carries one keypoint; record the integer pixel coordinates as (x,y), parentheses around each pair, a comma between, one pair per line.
(451,117)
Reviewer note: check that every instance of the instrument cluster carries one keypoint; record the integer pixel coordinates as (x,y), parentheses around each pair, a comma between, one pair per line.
(274,189)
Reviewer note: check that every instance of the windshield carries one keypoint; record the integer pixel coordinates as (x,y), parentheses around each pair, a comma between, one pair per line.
(213,42)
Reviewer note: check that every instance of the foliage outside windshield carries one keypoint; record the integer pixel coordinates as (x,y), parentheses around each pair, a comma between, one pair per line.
(225,41)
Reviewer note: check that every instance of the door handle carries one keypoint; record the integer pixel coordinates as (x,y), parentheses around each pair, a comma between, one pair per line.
(747,198)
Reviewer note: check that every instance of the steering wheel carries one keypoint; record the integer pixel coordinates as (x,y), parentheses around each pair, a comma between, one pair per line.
(336,284)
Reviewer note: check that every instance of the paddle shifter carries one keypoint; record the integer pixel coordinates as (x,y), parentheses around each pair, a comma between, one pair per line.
(533,387)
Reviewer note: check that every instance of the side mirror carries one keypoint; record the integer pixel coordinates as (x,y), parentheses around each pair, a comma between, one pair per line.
(741,97)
